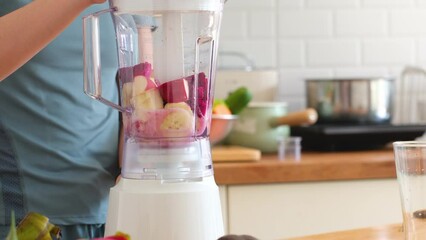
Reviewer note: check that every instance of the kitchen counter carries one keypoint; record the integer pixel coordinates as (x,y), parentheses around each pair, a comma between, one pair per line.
(299,198)
(388,232)
(313,166)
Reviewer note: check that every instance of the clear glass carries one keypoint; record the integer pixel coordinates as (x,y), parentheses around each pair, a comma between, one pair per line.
(410,160)
(167,62)
(289,148)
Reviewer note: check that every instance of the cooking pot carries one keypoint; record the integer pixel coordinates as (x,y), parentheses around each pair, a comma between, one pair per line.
(262,124)
(349,101)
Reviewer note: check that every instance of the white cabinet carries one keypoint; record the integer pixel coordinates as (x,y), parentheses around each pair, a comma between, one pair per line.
(284,210)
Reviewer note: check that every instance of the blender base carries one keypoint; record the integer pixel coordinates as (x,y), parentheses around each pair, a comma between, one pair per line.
(165,210)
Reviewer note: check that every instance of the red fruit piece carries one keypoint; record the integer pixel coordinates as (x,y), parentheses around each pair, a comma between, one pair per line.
(125,74)
(142,69)
(202,94)
(142,73)
(201,126)
(112,238)
(117,236)
(174,91)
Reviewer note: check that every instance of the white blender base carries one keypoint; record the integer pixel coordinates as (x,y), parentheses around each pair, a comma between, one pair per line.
(165,210)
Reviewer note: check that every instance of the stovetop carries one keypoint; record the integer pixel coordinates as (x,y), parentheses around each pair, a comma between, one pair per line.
(354,137)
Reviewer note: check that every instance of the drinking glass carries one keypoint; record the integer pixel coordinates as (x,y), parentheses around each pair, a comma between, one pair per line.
(410,160)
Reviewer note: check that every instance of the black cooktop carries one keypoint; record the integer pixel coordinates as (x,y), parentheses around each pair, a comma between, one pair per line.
(354,137)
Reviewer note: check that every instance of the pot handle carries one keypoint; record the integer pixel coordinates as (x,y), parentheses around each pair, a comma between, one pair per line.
(306,117)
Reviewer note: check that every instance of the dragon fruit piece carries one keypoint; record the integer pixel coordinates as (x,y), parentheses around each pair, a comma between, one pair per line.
(175,91)
(125,74)
(202,80)
(143,69)
(202,102)
(202,94)
(201,126)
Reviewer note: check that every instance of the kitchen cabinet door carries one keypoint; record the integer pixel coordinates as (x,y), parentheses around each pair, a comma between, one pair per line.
(280,211)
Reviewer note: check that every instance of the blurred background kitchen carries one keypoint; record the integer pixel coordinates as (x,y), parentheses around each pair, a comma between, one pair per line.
(303,39)
(286,42)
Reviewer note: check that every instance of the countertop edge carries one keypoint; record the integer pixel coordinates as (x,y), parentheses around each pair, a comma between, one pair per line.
(313,167)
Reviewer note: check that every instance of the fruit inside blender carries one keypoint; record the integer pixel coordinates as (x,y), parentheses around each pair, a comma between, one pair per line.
(173,109)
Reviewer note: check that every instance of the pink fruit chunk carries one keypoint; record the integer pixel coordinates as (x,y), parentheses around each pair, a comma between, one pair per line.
(144,129)
(144,123)
(142,78)
(143,69)
(125,74)
(202,94)
(174,91)
(201,126)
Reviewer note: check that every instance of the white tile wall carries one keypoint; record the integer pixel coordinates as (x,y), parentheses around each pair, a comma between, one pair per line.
(326,38)
(305,23)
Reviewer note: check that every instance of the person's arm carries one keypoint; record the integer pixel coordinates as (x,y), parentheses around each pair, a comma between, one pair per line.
(25,31)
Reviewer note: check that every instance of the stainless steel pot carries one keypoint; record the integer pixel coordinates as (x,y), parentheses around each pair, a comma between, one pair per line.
(344,101)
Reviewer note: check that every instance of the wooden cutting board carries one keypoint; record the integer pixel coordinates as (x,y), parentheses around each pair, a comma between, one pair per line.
(235,154)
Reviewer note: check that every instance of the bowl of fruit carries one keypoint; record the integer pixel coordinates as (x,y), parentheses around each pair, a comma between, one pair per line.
(221,126)
(225,113)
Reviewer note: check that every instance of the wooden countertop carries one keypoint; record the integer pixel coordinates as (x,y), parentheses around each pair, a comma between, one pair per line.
(313,166)
(388,232)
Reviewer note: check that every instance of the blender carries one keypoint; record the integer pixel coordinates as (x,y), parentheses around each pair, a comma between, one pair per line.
(167,58)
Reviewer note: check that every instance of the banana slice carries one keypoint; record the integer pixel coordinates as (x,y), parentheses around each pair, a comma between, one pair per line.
(177,123)
(148,100)
(142,84)
(179,105)
(127,93)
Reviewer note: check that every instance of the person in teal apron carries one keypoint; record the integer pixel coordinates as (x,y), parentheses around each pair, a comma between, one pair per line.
(58,147)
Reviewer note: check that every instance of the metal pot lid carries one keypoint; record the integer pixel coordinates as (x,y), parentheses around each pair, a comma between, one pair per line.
(267,104)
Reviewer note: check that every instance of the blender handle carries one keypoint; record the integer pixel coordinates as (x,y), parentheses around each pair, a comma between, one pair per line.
(92,59)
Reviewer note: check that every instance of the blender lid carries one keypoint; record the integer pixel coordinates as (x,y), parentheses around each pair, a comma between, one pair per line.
(166,5)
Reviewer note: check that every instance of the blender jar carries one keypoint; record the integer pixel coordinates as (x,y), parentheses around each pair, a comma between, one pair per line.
(167,58)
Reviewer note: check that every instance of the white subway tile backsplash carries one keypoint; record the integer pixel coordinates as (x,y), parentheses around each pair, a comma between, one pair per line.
(408,22)
(420,3)
(250,4)
(292,80)
(234,25)
(396,71)
(332,3)
(361,72)
(262,24)
(309,23)
(291,53)
(388,3)
(421,52)
(388,51)
(361,22)
(261,52)
(333,53)
(326,38)
(290,4)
